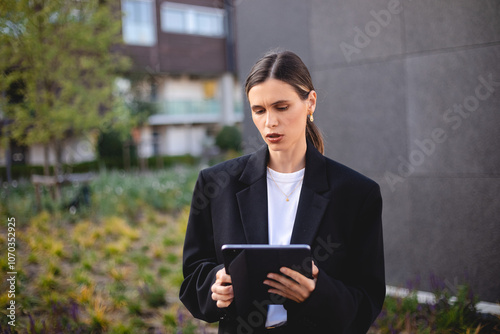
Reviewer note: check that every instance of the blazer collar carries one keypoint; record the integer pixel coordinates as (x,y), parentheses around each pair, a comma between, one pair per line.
(255,168)
(315,174)
(313,199)
(252,200)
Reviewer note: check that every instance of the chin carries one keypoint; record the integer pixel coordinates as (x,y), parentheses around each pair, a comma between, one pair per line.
(277,146)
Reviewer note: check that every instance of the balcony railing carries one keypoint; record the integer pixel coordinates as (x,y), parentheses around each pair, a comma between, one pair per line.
(194,107)
(192,111)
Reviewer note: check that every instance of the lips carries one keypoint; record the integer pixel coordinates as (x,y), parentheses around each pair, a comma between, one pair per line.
(274,137)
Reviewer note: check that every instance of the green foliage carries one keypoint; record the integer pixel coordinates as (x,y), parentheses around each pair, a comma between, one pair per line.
(170,161)
(56,61)
(154,296)
(110,145)
(141,110)
(114,162)
(25,171)
(229,138)
(460,313)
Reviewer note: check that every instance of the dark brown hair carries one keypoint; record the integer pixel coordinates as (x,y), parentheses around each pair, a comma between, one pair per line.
(287,67)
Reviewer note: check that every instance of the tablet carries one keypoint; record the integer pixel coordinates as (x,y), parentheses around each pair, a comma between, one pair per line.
(249,264)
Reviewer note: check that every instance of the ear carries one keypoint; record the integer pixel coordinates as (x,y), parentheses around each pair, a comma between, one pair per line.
(311,101)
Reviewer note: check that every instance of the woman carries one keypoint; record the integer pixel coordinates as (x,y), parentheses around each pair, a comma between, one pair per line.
(287,193)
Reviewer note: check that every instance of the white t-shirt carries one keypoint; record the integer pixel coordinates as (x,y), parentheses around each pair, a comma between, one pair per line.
(281,218)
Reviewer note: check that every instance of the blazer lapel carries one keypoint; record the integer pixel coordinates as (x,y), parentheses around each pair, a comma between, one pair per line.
(252,200)
(314,198)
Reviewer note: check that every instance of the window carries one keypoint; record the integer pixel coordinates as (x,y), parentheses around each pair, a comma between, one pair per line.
(139,27)
(209,24)
(174,20)
(193,20)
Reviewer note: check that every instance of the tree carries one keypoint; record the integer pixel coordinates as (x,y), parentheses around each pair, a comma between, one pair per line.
(61,52)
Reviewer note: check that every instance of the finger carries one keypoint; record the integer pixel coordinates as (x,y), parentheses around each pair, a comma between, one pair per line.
(223,304)
(308,283)
(223,296)
(222,277)
(226,279)
(274,283)
(286,288)
(216,296)
(287,295)
(220,273)
(222,290)
(315,270)
(281,282)
(295,275)
(292,287)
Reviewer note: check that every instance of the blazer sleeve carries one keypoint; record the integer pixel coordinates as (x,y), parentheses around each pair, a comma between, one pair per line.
(351,305)
(199,258)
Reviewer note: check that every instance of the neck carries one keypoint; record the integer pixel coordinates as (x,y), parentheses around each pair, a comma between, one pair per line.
(289,161)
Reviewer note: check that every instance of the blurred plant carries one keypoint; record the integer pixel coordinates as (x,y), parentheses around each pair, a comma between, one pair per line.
(229,138)
(457,313)
(114,147)
(154,295)
(99,314)
(448,315)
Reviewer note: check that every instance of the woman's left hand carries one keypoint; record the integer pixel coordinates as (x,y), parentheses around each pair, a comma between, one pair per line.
(298,288)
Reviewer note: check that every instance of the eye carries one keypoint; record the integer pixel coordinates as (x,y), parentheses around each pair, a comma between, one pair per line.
(282,108)
(258,111)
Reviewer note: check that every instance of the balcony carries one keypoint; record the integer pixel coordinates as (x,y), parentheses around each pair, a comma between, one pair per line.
(193,112)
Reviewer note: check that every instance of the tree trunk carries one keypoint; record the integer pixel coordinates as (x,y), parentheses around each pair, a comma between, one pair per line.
(8,162)
(46,170)
(58,163)
(58,171)
(143,164)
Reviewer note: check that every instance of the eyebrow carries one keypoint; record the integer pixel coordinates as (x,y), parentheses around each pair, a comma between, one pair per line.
(256,106)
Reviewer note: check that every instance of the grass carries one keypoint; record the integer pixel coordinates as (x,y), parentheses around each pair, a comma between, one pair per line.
(115,266)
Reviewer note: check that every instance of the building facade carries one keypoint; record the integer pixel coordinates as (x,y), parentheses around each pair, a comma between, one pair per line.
(183,62)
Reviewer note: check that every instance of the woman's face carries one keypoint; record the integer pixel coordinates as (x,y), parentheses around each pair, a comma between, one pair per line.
(279,114)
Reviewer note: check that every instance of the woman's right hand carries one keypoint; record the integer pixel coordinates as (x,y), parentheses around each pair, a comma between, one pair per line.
(222,289)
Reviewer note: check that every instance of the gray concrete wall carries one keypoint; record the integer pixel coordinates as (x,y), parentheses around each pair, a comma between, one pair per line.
(409,94)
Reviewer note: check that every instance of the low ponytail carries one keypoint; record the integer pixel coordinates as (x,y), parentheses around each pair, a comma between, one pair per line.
(313,134)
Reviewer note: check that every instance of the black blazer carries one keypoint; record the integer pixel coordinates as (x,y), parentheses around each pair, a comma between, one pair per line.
(339,216)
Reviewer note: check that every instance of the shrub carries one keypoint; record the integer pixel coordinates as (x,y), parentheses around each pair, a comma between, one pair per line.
(229,138)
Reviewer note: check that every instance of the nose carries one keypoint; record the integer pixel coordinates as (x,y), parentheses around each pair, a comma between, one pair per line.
(271,119)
